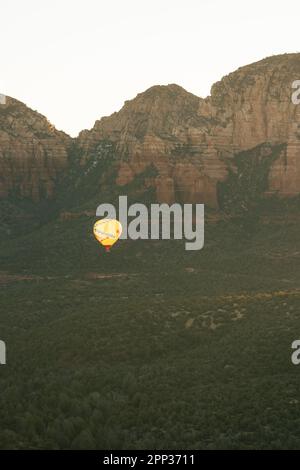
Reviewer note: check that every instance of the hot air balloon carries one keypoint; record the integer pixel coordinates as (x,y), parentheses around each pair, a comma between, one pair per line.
(107,232)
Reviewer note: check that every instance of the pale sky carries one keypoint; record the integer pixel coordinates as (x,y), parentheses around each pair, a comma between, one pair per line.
(77,60)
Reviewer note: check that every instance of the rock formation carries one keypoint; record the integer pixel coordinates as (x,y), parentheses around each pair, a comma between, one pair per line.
(32,152)
(191,142)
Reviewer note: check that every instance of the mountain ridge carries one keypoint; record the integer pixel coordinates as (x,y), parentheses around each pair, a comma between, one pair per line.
(191,142)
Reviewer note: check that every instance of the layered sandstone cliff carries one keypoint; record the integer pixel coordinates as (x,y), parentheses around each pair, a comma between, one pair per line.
(192,141)
(255,103)
(32,152)
(163,127)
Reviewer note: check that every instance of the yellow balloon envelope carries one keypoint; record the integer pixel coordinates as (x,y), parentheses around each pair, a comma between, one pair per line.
(107,232)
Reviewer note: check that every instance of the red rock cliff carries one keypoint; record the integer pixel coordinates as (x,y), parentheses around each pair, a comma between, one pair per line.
(32,152)
(192,140)
(189,140)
